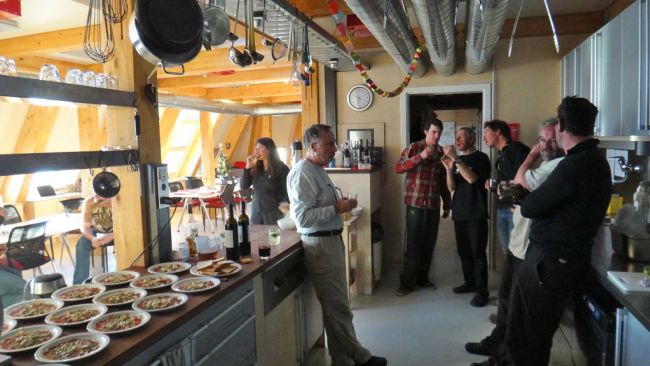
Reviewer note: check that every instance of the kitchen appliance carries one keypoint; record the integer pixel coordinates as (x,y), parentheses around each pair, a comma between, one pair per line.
(595,324)
(43,285)
(156,190)
(629,247)
(632,340)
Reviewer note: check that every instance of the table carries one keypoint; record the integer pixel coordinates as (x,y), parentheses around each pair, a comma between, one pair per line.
(200,193)
(59,224)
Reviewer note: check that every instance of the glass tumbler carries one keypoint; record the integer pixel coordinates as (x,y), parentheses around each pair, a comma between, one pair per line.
(49,72)
(112,82)
(3,66)
(88,78)
(11,67)
(74,76)
(100,81)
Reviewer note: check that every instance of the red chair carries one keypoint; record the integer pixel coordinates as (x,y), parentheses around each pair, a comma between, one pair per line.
(212,204)
(239,165)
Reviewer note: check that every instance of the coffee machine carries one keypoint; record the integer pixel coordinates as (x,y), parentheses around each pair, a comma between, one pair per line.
(156,190)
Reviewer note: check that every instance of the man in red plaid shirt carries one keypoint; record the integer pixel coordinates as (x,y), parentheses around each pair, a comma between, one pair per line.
(425,186)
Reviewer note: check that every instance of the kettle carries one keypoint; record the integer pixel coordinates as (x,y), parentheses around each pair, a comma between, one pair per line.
(43,285)
(296,152)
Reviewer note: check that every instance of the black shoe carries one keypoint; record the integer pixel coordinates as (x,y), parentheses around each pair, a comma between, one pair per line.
(477,348)
(480,300)
(402,291)
(465,288)
(374,361)
(426,284)
(487,362)
(493,318)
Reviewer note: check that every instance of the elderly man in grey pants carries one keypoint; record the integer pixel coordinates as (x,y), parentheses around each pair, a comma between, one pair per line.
(315,207)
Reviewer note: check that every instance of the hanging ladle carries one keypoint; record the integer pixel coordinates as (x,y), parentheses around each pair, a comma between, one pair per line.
(242,59)
(250,33)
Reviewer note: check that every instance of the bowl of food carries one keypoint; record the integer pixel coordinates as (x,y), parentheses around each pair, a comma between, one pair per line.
(154,281)
(160,302)
(356,211)
(32,309)
(26,338)
(76,314)
(72,347)
(119,322)
(169,267)
(286,223)
(115,278)
(196,284)
(78,292)
(119,297)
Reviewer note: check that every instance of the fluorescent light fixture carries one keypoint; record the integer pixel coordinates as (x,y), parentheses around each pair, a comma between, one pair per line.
(50,103)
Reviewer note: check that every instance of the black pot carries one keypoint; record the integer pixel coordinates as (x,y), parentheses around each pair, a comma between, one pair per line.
(106,184)
(172,25)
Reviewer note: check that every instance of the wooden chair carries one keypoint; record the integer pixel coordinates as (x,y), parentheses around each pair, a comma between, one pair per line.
(26,248)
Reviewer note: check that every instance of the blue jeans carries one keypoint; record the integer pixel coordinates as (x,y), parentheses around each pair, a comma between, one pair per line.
(11,286)
(82,256)
(504,227)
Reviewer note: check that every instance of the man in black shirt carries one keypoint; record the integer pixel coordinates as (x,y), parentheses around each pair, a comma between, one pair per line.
(466,175)
(566,210)
(496,134)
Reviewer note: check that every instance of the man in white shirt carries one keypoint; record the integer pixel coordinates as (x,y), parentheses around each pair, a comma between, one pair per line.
(548,150)
(315,206)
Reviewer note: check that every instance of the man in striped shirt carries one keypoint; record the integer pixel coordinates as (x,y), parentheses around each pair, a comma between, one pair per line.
(425,187)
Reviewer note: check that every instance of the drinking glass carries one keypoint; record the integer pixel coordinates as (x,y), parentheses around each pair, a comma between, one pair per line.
(3,66)
(89,78)
(49,72)
(493,184)
(274,236)
(74,76)
(112,82)
(264,251)
(101,81)
(11,67)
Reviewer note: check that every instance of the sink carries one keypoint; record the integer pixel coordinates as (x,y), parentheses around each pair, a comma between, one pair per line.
(636,249)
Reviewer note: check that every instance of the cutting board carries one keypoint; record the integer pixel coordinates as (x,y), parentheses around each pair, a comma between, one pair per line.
(628,281)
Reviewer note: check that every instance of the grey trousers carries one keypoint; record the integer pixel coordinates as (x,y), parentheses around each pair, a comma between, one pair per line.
(325,261)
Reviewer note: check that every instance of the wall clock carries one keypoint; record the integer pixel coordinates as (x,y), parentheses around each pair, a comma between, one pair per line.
(360,97)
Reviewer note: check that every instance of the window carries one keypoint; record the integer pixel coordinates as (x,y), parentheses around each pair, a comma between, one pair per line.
(60,180)
(282,152)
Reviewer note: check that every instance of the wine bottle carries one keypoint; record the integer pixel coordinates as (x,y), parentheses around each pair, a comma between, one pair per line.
(366,153)
(346,156)
(244,237)
(232,242)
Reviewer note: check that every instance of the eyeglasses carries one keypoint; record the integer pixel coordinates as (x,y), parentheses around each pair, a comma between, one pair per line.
(334,190)
(546,142)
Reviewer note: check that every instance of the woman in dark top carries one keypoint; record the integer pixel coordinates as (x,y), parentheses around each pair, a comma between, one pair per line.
(268,176)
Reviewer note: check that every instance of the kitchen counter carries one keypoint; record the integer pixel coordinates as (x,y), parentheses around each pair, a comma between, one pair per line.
(124,348)
(604,259)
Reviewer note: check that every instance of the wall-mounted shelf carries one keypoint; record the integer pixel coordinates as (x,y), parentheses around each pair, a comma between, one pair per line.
(12,164)
(28,89)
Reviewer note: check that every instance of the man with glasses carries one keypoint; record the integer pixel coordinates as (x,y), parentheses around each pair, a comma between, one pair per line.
(426,185)
(548,150)
(315,206)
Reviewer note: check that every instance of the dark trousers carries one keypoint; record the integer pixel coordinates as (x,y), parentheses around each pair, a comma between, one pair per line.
(498,335)
(421,235)
(542,287)
(471,241)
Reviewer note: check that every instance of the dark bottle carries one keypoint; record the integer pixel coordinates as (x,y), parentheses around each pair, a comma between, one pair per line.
(244,237)
(232,242)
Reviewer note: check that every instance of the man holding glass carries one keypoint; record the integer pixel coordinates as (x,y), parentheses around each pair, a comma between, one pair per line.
(315,206)
(425,186)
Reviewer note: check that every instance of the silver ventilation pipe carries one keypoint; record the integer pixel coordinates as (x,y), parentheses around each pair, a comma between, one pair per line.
(396,36)
(437,20)
(484,23)
(205,105)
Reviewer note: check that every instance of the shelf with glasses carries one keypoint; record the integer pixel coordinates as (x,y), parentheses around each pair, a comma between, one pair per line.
(34,91)
(12,164)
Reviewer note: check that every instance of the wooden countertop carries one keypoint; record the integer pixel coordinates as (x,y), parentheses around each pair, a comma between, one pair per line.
(604,259)
(124,347)
(350,171)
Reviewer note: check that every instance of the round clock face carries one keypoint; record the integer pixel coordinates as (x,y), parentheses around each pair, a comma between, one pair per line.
(360,98)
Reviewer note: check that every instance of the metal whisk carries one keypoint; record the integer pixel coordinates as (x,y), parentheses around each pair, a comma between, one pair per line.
(99,43)
(115,10)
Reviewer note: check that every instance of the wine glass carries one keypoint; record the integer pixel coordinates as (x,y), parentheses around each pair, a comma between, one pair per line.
(89,78)
(112,82)
(101,81)
(74,76)
(49,72)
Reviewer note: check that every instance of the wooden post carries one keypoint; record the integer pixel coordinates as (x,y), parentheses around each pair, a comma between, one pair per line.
(267,127)
(207,146)
(234,134)
(167,123)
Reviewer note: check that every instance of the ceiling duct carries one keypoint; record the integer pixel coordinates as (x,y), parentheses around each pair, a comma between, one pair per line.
(484,23)
(437,20)
(396,37)
(279,14)
(205,105)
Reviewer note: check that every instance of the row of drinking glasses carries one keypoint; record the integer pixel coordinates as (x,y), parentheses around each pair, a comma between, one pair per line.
(7,66)
(75,76)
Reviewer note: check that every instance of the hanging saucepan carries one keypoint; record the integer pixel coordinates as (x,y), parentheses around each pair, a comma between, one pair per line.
(106,184)
(217,23)
(235,56)
(250,33)
(167,31)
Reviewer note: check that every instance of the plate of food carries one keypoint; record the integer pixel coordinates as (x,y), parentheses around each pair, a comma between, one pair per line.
(8,324)
(119,322)
(78,292)
(196,284)
(154,281)
(76,314)
(119,297)
(26,338)
(160,302)
(116,278)
(72,347)
(219,269)
(33,309)
(169,267)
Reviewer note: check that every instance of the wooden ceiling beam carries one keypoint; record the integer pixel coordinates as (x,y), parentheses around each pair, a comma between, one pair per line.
(188,92)
(207,147)
(234,134)
(192,153)
(70,39)
(258,91)
(215,79)
(167,123)
(267,126)
(256,132)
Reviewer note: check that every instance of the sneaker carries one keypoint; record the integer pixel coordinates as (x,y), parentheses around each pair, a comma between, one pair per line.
(480,300)
(374,361)
(477,348)
(493,318)
(402,291)
(426,284)
(465,288)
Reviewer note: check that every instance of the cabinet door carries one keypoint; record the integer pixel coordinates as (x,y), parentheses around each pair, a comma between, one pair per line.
(584,69)
(569,74)
(632,339)
(609,98)
(633,71)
